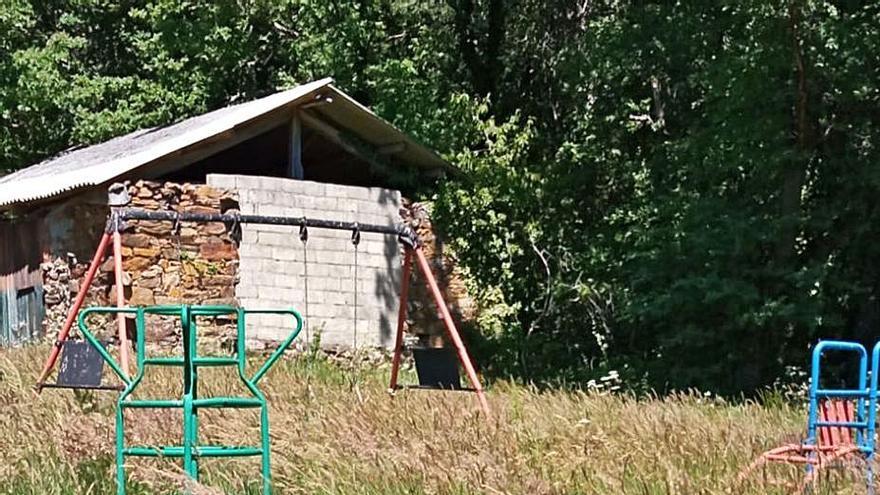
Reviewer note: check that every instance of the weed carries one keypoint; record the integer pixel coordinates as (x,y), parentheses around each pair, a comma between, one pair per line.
(328,442)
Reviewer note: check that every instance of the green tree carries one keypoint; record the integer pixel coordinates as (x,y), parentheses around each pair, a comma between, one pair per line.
(683,191)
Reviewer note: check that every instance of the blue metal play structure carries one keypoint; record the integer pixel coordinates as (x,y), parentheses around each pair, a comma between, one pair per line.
(853,432)
(841,424)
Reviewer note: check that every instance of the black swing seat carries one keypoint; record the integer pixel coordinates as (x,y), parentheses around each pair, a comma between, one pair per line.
(437,369)
(81,368)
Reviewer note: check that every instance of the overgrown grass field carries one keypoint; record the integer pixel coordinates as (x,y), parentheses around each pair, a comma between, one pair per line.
(335,432)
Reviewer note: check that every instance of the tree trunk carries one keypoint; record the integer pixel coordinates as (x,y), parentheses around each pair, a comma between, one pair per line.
(804,131)
(480,51)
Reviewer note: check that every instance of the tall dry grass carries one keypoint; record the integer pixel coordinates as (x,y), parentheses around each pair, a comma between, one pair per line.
(327,439)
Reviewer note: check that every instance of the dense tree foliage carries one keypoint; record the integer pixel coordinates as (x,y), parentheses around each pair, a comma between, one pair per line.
(682,191)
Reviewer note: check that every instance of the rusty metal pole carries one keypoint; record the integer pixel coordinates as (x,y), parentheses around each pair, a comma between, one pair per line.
(401,319)
(74,310)
(117,196)
(451,330)
(120,301)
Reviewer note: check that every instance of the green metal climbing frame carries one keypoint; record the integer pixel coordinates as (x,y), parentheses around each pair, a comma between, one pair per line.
(190,450)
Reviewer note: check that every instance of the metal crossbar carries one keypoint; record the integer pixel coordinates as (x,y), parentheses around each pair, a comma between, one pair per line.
(190,451)
(403,231)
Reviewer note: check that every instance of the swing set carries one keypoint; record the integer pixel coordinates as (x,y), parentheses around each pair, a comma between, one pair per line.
(83,362)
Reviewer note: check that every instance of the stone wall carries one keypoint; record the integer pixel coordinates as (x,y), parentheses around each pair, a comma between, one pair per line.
(198,263)
(71,232)
(272,268)
(422,317)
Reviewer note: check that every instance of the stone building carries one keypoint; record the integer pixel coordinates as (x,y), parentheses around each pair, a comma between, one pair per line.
(311,151)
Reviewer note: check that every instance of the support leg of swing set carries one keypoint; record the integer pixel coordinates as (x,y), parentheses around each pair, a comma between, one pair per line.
(120,300)
(451,331)
(401,319)
(80,297)
(74,310)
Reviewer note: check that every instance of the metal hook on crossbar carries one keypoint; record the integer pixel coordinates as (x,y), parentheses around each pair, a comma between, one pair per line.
(236,220)
(356,234)
(408,237)
(115,222)
(175,229)
(304,230)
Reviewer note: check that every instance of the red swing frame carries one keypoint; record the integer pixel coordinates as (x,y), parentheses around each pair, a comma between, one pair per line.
(445,315)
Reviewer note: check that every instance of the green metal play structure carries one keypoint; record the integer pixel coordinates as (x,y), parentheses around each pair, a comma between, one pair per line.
(190,402)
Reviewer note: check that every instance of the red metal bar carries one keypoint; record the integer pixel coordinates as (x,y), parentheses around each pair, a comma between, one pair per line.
(74,310)
(120,300)
(792,459)
(401,319)
(451,330)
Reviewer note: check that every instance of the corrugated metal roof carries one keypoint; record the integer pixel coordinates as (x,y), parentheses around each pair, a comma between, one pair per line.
(104,162)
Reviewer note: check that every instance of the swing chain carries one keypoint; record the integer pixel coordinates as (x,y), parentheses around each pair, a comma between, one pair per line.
(304,238)
(355,379)
(355,240)
(175,229)
(307,349)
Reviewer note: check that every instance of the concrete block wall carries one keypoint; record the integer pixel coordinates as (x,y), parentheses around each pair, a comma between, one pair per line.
(271,261)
